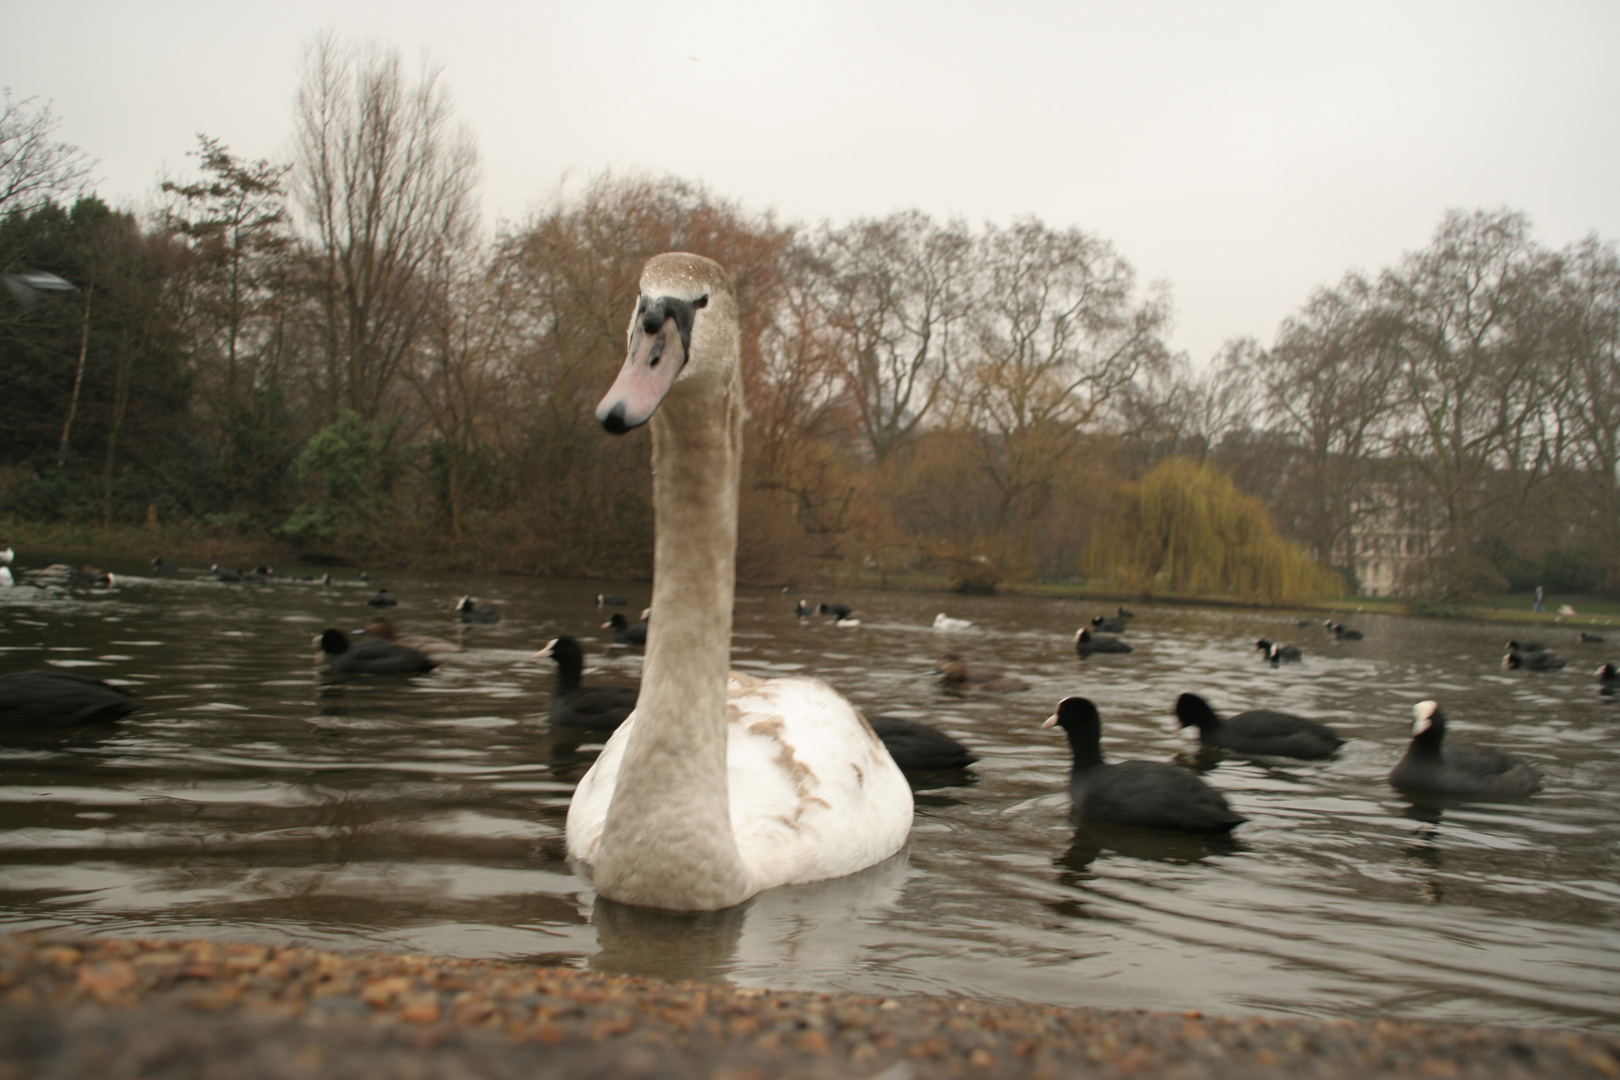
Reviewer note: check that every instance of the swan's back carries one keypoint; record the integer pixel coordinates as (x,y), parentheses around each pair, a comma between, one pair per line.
(813,792)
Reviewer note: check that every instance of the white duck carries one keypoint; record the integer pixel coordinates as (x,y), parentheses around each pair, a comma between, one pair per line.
(719,785)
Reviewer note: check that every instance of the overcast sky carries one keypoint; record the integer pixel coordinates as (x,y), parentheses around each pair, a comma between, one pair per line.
(1243,153)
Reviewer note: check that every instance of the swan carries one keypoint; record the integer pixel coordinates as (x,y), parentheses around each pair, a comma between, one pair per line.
(719,785)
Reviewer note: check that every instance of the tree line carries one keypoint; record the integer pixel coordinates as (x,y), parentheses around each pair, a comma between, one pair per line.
(331,351)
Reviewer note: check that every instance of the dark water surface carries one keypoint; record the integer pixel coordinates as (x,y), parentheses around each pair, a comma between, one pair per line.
(257,797)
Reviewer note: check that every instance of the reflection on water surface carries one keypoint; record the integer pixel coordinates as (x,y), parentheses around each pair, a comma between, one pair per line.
(257,796)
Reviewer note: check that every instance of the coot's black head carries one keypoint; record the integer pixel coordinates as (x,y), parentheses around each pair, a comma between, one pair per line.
(1427,718)
(1077,716)
(1194,711)
(334,642)
(560,648)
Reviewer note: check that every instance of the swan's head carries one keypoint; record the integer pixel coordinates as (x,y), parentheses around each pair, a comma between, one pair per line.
(684,327)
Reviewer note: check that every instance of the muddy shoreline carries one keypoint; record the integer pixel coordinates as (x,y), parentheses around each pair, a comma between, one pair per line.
(74,1006)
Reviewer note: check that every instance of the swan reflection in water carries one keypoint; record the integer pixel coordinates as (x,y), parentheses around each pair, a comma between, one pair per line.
(822,928)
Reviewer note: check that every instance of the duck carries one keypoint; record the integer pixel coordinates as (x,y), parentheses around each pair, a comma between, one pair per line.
(1124,613)
(956,676)
(1279,654)
(91,576)
(1258,731)
(594,708)
(375,657)
(1110,624)
(1147,794)
(477,611)
(626,632)
(944,622)
(1342,632)
(58,699)
(720,784)
(1533,661)
(916,747)
(222,574)
(1514,645)
(382,628)
(1086,643)
(1590,638)
(607,599)
(382,598)
(1434,765)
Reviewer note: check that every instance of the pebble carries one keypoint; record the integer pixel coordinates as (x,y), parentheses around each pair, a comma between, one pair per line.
(75,1007)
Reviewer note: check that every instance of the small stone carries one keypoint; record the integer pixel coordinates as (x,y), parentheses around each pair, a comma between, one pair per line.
(108,979)
(421,1011)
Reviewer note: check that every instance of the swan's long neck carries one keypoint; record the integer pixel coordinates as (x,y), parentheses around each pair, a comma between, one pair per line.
(667,841)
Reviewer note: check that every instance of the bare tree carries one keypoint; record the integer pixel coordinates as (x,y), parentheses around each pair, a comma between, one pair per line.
(34,167)
(1330,390)
(236,223)
(1470,324)
(1586,358)
(1058,335)
(386,180)
(894,290)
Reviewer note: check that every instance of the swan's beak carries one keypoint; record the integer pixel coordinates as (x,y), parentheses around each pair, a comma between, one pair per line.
(654,360)
(1051,721)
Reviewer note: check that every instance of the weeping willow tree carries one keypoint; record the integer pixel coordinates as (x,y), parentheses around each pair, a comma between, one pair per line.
(1186,528)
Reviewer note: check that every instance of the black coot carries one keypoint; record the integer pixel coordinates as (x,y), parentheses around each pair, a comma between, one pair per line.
(1434,765)
(593,708)
(56,699)
(1279,654)
(1149,794)
(919,748)
(477,611)
(1532,661)
(1086,643)
(626,632)
(373,657)
(1258,731)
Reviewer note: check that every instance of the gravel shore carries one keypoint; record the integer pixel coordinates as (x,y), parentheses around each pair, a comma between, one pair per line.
(74,1006)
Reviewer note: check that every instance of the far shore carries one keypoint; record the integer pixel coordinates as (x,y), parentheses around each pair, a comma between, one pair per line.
(190,545)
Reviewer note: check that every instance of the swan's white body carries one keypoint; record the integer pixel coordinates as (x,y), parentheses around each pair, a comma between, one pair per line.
(804,771)
(719,785)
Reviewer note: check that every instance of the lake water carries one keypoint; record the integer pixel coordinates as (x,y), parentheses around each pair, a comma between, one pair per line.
(258,797)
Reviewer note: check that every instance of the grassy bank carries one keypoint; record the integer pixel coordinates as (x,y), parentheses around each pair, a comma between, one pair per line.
(40,542)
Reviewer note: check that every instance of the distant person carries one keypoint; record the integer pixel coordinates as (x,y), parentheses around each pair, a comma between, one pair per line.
(1541,597)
